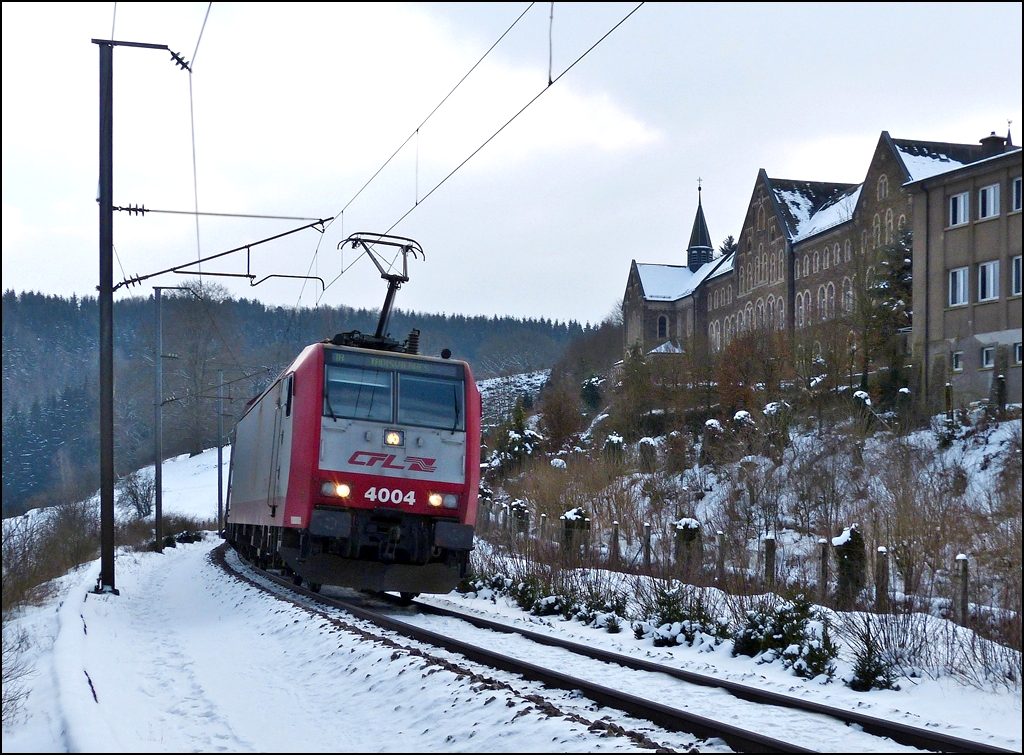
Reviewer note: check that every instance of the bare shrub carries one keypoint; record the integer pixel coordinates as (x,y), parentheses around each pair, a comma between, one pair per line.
(73,535)
(137,494)
(16,669)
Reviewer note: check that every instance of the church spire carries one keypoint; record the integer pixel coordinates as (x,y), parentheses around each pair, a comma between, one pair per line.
(700,250)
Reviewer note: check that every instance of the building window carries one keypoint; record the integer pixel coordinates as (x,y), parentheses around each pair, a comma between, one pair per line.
(1015,204)
(662,327)
(988,281)
(816,260)
(988,357)
(988,201)
(847,295)
(958,361)
(959,209)
(831,293)
(958,287)
(1015,277)
(805,266)
(1016,353)
(849,252)
(883,187)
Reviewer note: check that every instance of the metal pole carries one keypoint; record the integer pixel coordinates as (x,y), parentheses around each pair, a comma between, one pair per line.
(158,423)
(220,452)
(106,302)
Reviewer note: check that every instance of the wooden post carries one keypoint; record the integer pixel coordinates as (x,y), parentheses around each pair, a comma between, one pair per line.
(963,606)
(823,576)
(543,527)
(882,580)
(615,544)
(949,402)
(720,559)
(586,536)
(769,561)
(647,546)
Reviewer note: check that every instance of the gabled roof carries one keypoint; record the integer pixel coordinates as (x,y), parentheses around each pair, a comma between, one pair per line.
(672,282)
(834,212)
(798,202)
(926,159)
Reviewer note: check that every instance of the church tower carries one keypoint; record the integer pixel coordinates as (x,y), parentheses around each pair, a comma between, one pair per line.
(700,250)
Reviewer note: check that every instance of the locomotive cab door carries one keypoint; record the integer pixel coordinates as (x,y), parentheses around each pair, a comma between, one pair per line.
(280,455)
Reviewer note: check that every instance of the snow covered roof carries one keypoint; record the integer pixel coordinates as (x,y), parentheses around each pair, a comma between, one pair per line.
(836,211)
(724,267)
(800,201)
(672,282)
(667,348)
(927,159)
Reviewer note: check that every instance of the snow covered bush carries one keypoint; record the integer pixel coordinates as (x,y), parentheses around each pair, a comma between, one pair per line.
(676,613)
(793,632)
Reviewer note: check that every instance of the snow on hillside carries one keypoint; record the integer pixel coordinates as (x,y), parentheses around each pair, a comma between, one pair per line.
(499,395)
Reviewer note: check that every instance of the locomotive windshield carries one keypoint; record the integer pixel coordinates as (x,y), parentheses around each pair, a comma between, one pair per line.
(386,389)
(358,393)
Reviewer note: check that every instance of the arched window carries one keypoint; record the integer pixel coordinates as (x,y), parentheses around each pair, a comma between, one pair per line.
(751,281)
(835,254)
(774,272)
(760,314)
(847,295)
(799,310)
(711,335)
(663,327)
(748,317)
(902,222)
(805,265)
(782,265)
(743,281)
(849,251)
(816,260)
(730,293)
(876,226)
(771,312)
(889,230)
(782,314)
(716,299)
(825,261)
(760,218)
(757,270)
(883,186)
(764,268)
(831,293)
(822,303)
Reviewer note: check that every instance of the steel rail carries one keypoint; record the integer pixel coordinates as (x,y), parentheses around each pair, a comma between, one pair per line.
(665,716)
(912,736)
(661,715)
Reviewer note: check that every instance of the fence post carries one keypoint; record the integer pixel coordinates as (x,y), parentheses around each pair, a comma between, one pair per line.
(586,537)
(720,559)
(882,580)
(823,576)
(543,533)
(949,402)
(769,561)
(964,611)
(647,546)
(615,544)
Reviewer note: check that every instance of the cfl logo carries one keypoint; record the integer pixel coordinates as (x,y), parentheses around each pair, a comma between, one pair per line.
(387,461)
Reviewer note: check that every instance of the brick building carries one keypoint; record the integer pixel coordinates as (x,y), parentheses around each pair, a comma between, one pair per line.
(807,250)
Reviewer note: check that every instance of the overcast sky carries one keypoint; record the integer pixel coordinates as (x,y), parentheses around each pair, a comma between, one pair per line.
(295,107)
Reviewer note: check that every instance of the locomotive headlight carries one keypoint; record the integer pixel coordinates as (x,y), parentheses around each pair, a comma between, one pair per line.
(339,490)
(450,501)
(394,438)
(435,499)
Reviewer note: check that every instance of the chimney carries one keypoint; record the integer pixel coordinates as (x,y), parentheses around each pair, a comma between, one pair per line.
(993,145)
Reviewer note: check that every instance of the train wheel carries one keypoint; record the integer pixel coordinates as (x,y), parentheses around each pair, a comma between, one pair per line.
(408,597)
(297,580)
(315,586)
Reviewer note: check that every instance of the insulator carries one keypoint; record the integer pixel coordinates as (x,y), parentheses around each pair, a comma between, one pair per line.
(412,346)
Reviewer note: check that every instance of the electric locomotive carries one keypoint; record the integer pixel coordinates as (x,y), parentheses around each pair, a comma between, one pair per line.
(359,466)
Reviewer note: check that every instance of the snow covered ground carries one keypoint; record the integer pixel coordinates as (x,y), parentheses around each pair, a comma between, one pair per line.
(189,658)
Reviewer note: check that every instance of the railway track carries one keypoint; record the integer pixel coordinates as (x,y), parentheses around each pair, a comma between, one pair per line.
(667,717)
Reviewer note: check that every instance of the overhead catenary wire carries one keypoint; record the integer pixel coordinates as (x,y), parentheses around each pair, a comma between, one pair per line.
(192,120)
(414,133)
(509,121)
(504,126)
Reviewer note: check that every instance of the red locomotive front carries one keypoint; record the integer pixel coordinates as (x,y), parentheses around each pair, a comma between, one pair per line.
(361,468)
